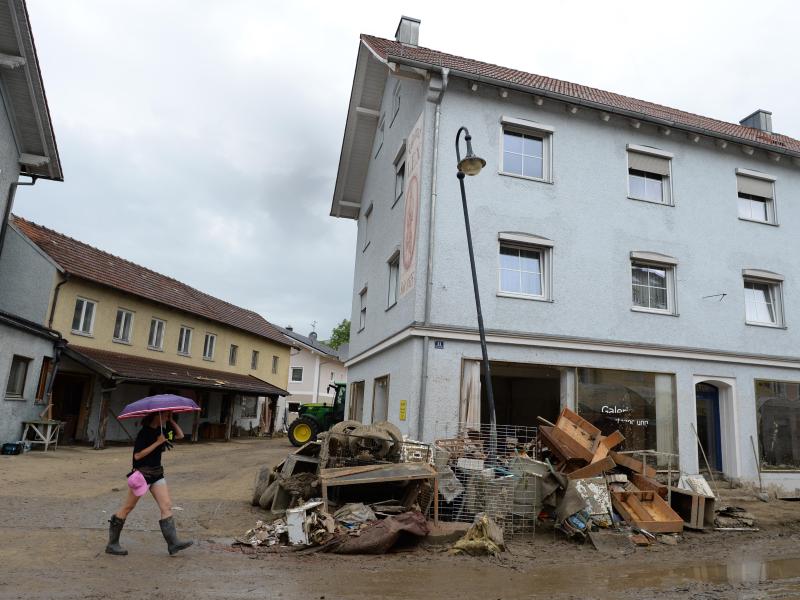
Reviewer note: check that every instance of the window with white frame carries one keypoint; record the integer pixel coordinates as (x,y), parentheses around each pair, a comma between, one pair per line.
(756,196)
(379,135)
(233,354)
(763,298)
(362,309)
(394,279)
(185,340)
(395,102)
(367,219)
(653,282)
(17,376)
(155,339)
(649,174)
(254,360)
(527,149)
(297,374)
(122,326)
(274,365)
(83,317)
(208,346)
(524,266)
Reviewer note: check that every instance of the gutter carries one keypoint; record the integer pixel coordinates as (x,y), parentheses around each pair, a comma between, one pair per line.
(55,299)
(595,105)
(29,326)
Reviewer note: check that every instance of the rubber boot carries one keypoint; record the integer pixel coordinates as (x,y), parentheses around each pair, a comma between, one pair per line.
(168,530)
(114,529)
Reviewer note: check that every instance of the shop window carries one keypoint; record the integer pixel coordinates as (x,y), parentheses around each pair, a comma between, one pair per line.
(640,405)
(778,412)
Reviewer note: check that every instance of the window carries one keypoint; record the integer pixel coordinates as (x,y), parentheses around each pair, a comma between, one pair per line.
(332,376)
(83,318)
(649,174)
(122,326)
(249,407)
(778,413)
(395,102)
(355,409)
(379,135)
(653,282)
(756,196)
(44,375)
(17,377)
(763,298)
(367,218)
(399,182)
(526,149)
(208,346)
(297,374)
(380,399)
(524,265)
(254,360)
(362,311)
(640,405)
(233,354)
(155,341)
(274,365)
(394,278)
(185,341)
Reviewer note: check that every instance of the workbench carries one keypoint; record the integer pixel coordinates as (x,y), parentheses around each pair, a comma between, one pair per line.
(45,432)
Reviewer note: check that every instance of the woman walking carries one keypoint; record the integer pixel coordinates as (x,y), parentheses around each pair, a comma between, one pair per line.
(157,432)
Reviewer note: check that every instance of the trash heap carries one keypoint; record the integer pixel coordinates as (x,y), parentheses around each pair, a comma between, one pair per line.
(361,489)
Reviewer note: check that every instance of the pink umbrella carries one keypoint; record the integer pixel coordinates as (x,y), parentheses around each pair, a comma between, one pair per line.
(160,403)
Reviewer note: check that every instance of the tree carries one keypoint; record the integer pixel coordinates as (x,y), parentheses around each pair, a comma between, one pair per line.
(340,334)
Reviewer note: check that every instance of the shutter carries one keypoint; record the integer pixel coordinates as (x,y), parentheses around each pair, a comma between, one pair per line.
(753,186)
(648,163)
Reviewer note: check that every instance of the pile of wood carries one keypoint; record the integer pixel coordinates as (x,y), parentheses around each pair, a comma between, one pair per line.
(580,451)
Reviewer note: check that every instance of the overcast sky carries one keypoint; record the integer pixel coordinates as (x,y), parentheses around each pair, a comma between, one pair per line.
(201,138)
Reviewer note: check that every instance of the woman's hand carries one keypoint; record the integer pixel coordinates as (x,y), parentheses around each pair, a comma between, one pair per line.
(160,440)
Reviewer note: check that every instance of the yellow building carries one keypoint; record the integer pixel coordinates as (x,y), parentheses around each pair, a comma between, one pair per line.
(132,332)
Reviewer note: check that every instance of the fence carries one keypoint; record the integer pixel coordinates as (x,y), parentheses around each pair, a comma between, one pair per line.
(506,485)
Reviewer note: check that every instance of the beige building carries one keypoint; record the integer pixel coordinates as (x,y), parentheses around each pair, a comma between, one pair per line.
(132,332)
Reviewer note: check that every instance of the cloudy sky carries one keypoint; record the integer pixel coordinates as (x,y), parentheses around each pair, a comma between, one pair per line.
(201,138)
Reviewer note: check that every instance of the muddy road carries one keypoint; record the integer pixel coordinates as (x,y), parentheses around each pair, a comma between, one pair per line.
(53,523)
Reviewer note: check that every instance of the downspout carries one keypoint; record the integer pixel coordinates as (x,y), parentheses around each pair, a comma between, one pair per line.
(12,191)
(423,386)
(55,300)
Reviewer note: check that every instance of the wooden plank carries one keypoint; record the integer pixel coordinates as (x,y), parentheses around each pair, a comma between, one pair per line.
(593,470)
(573,446)
(648,511)
(583,432)
(100,438)
(647,484)
(627,461)
(342,471)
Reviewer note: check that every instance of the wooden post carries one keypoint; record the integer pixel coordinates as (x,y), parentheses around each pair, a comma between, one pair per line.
(100,438)
(229,424)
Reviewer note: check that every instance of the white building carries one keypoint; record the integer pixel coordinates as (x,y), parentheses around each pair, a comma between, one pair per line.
(636,263)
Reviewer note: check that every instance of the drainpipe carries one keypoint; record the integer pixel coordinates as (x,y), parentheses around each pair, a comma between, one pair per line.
(12,191)
(55,300)
(423,386)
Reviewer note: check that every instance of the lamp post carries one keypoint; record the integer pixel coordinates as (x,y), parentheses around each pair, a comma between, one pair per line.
(472,165)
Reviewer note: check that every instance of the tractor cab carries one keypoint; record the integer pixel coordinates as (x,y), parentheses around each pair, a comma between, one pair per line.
(317,417)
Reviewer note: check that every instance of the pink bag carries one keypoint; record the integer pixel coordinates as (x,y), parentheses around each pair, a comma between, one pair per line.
(137,484)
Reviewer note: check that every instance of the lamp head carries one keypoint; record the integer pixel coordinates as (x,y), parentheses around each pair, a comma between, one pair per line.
(471,164)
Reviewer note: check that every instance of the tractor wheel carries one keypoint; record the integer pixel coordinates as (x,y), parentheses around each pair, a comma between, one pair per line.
(302,430)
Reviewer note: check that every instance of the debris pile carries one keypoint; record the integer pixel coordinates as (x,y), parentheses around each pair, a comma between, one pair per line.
(359,490)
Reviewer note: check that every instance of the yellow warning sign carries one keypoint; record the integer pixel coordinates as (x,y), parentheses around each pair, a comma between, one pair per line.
(403,410)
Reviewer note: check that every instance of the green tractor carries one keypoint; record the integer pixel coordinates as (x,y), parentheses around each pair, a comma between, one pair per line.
(314,418)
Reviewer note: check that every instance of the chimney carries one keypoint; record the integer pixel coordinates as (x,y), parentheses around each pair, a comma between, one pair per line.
(313,335)
(408,31)
(289,328)
(760,119)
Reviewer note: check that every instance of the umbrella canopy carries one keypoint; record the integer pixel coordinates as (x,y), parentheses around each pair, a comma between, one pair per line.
(162,402)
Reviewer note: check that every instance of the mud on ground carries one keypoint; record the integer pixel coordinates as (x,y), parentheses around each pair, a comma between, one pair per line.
(55,506)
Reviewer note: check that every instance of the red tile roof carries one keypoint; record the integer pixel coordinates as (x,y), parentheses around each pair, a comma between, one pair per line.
(87,262)
(386,48)
(148,370)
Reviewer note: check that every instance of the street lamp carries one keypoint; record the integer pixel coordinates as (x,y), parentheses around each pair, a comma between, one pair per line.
(472,165)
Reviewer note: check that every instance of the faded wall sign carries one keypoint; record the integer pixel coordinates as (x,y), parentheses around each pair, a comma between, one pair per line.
(408,271)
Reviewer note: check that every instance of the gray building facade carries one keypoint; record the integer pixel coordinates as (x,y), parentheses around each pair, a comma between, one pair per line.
(635,263)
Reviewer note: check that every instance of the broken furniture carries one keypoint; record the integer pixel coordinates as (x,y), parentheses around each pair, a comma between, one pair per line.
(45,432)
(391,473)
(648,511)
(696,510)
